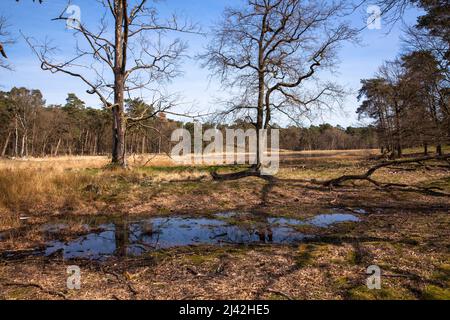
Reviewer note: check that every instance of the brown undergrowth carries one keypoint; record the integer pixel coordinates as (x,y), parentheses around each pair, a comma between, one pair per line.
(404,232)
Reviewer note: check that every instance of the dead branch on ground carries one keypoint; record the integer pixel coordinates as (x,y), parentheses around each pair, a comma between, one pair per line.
(38,286)
(368,175)
(241,175)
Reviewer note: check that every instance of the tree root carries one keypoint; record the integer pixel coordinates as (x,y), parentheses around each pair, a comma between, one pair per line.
(189,180)
(36,285)
(240,175)
(367,176)
(434,191)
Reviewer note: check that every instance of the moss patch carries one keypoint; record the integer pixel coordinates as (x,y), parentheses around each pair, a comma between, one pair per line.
(364,293)
(435,293)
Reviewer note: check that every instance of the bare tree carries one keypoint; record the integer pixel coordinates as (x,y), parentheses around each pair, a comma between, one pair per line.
(129,52)
(392,10)
(272,52)
(4,40)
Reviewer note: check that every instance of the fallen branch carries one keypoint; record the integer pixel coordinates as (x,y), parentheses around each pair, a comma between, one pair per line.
(123,280)
(280,293)
(194,272)
(36,285)
(188,180)
(240,175)
(367,176)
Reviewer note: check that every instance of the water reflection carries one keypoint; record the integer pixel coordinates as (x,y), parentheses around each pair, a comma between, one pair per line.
(137,237)
(326,220)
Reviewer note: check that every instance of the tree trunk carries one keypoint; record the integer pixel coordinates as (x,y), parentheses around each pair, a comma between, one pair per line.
(399,132)
(95,149)
(5,146)
(159,144)
(119,125)
(259,119)
(261,92)
(80,142)
(16,140)
(57,147)
(26,145)
(439,150)
(399,151)
(44,146)
(118,148)
(86,141)
(22,149)
(33,137)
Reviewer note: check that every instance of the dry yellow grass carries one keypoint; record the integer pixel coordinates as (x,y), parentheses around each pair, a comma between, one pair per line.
(82,162)
(149,160)
(52,185)
(82,185)
(23,189)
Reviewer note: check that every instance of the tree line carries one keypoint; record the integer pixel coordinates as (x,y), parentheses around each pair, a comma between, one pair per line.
(409,96)
(30,128)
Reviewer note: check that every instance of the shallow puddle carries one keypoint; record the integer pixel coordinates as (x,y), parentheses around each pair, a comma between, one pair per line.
(327,220)
(138,237)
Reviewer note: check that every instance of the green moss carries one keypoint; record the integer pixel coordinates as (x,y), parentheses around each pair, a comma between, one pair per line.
(341,282)
(304,255)
(160,255)
(364,293)
(440,183)
(19,294)
(445,268)
(276,297)
(443,274)
(352,258)
(199,259)
(435,293)
(178,169)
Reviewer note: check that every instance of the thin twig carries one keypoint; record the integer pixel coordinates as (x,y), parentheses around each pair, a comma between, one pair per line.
(280,293)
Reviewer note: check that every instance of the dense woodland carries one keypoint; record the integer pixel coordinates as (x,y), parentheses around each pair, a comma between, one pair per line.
(409,97)
(409,100)
(34,129)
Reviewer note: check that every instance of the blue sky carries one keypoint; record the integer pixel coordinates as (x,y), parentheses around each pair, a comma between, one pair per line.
(196,89)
